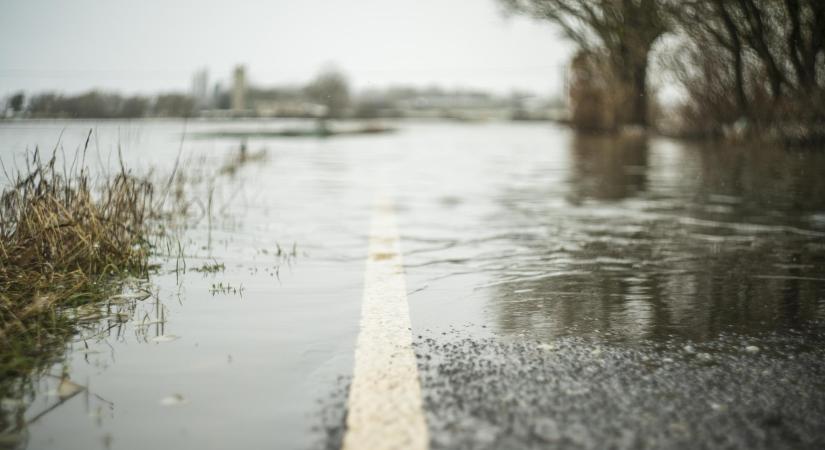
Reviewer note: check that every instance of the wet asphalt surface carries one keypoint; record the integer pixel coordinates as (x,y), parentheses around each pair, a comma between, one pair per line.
(577,394)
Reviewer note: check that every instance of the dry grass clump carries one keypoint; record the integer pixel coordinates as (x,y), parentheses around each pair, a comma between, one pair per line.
(63,237)
(66,239)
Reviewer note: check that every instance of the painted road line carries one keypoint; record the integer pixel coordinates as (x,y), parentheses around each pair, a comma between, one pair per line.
(384,407)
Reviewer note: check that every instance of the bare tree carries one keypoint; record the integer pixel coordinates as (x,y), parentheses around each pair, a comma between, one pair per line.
(330,89)
(770,52)
(625,29)
(16,102)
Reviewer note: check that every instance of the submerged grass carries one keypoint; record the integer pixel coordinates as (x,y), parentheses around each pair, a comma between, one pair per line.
(61,237)
(75,250)
(64,241)
(213,267)
(240,158)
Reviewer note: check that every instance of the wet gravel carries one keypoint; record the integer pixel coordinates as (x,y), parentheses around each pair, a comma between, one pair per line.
(329,425)
(732,392)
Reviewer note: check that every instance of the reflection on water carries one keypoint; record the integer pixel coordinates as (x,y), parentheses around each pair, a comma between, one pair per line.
(132,313)
(659,240)
(606,168)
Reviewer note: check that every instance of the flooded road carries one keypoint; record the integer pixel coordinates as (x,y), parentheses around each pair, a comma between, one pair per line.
(634,240)
(583,292)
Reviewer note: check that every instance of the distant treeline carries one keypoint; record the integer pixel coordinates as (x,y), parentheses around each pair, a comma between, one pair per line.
(95,104)
(327,96)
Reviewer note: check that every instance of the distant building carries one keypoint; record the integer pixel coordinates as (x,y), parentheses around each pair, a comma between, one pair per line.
(239,90)
(200,89)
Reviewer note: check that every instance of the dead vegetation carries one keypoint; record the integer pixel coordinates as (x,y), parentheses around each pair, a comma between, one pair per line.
(77,250)
(63,236)
(70,244)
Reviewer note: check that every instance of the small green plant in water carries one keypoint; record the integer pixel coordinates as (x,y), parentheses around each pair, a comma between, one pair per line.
(226,289)
(214,267)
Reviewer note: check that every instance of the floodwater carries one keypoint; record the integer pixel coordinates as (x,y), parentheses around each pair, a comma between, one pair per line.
(512,234)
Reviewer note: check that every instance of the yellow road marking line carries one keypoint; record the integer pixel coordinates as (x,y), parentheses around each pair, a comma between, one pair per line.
(385,407)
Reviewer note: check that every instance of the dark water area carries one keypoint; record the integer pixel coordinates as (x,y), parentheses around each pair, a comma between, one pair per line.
(627,239)
(734,244)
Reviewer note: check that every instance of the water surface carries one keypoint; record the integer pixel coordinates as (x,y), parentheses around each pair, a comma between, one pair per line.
(509,231)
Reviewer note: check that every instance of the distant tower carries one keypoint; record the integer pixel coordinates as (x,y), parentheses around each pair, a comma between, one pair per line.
(239,89)
(200,89)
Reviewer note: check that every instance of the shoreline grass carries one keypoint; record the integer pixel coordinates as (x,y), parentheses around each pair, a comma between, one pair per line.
(73,246)
(65,240)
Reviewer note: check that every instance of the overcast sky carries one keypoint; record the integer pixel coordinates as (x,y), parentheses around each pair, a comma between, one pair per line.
(155,45)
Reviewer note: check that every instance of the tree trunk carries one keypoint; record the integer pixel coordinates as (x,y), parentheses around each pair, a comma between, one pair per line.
(638,115)
(735,48)
(632,77)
